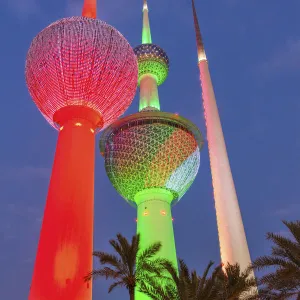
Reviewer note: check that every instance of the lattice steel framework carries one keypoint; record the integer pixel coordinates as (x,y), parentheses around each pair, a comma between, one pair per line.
(81,61)
(151,150)
(153,60)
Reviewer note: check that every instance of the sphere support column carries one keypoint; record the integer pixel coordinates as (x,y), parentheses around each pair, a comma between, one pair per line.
(64,254)
(154,224)
(148,93)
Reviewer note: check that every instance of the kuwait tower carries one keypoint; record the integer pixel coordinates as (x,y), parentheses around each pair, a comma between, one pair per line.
(152,157)
(82,75)
(233,243)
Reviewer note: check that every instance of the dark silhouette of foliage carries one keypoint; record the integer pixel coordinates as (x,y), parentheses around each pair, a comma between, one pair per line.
(230,284)
(122,267)
(160,280)
(182,285)
(283,282)
(233,284)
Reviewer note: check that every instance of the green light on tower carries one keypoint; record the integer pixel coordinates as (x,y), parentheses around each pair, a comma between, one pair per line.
(153,66)
(146,35)
(152,157)
(154,220)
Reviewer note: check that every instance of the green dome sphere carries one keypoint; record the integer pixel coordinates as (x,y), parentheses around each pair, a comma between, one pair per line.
(152,60)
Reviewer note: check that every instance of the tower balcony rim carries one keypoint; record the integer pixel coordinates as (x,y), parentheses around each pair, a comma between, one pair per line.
(153,117)
(153,194)
(78,112)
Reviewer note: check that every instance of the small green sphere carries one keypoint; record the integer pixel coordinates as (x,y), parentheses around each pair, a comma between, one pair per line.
(152,60)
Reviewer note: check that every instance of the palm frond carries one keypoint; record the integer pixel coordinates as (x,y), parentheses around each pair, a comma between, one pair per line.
(105,272)
(283,242)
(112,260)
(128,266)
(184,270)
(235,284)
(172,271)
(149,252)
(270,261)
(116,284)
(284,281)
(158,291)
(203,279)
(294,228)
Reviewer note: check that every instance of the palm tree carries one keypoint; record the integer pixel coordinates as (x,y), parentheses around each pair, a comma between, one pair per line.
(284,280)
(182,285)
(122,267)
(232,284)
(227,284)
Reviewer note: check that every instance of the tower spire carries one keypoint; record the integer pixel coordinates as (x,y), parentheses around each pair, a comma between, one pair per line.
(232,237)
(89,9)
(146,35)
(199,40)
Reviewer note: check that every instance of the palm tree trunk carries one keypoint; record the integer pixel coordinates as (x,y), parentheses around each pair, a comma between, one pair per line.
(131,294)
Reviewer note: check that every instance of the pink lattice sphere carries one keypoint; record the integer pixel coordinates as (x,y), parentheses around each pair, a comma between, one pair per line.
(81,61)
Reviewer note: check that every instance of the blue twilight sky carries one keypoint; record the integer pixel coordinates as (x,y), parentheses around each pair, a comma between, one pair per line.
(253,48)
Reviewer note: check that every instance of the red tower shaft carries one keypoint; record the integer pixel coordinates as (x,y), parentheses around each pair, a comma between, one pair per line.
(90,9)
(65,247)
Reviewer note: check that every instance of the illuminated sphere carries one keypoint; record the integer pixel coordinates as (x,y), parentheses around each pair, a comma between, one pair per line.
(152,60)
(81,61)
(151,150)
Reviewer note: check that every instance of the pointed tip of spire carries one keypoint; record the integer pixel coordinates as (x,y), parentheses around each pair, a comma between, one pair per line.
(89,9)
(200,45)
(145,6)
(146,35)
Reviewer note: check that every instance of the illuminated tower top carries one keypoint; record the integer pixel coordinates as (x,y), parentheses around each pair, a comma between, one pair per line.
(83,64)
(199,40)
(153,64)
(151,150)
(146,35)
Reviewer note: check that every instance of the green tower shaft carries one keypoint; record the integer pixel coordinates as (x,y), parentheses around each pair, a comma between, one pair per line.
(154,215)
(149,93)
(155,224)
(154,221)
(152,157)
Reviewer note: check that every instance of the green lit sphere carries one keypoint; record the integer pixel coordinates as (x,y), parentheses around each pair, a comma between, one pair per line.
(152,60)
(151,150)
